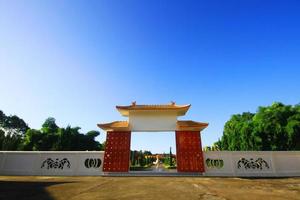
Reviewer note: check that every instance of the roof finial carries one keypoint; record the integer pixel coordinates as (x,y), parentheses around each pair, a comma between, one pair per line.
(172,103)
(133,103)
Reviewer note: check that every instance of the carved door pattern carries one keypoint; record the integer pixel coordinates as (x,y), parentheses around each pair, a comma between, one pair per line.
(117,151)
(189,151)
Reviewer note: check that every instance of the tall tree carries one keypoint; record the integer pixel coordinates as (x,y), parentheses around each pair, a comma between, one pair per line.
(12,130)
(170,157)
(275,127)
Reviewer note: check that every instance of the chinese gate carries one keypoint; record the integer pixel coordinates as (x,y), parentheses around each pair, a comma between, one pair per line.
(153,118)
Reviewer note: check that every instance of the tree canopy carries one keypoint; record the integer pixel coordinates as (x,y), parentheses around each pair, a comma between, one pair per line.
(12,129)
(271,128)
(16,135)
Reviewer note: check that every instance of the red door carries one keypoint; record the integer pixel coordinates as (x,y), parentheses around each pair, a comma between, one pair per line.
(117,151)
(189,151)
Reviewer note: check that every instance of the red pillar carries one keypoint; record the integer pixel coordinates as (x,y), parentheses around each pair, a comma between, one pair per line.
(189,151)
(117,151)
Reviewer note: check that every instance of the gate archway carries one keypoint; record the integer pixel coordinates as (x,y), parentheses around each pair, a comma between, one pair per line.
(151,118)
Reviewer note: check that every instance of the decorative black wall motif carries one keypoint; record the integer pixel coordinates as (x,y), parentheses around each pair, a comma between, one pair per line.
(251,164)
(60,164)
(92,163)
(214,163)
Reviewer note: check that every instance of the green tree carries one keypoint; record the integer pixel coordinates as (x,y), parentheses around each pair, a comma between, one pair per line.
(293,130)
(33,140)
(170,157)
(12,130)
(16,135)
(52,137)
(275,127)
(49,126)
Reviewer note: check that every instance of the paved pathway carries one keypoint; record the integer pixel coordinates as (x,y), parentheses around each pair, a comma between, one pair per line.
(147,188)
(160,168)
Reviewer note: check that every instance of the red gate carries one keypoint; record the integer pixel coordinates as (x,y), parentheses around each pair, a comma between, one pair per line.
(117,151)
(189,151)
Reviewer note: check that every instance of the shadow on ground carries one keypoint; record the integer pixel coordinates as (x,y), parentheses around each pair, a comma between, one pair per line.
(265,178)
(25,190)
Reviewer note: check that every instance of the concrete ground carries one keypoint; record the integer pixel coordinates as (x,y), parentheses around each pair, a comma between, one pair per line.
(157,188)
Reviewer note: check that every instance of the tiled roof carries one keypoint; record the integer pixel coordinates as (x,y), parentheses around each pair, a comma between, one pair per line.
(116,125)
(191,125)
(180,109)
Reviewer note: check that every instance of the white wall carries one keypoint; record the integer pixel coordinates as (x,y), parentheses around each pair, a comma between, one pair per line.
(152,121)
(279,163)
(31,163)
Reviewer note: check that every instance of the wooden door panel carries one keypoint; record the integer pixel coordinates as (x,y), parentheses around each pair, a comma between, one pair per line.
(189,151)
(117,151)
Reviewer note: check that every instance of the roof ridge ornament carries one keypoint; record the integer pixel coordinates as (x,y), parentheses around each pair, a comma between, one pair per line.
(173,103)
(133,103)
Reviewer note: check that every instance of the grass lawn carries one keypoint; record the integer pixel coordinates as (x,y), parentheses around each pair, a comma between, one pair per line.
(156,188)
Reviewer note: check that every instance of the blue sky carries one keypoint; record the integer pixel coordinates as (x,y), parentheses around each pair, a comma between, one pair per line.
(76,60)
